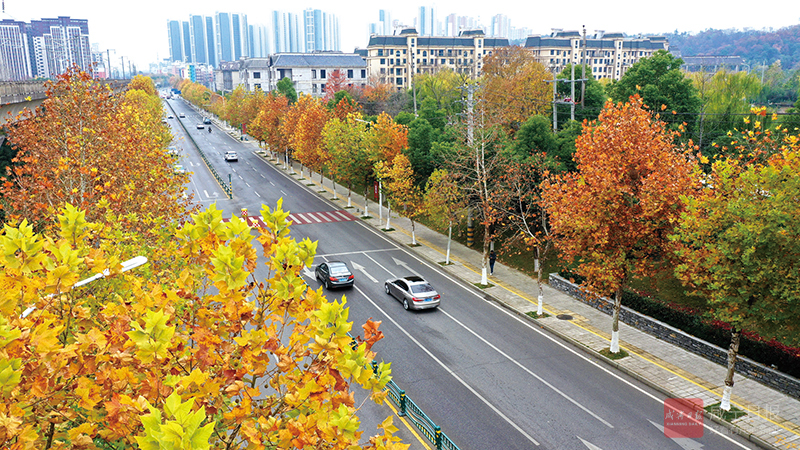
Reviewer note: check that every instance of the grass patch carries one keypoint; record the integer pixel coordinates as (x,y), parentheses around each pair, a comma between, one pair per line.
(366,217)
(349,207)
(483,286)
(387,230)
(614,356)
(294,174)
(311,184)
(413,245)
(727,416)
(532,314)
(445,263)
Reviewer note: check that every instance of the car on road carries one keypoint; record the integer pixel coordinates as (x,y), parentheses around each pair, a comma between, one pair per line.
(231,156)
(334,274)
(207,121)
(170,116)
(200,126)
(178,168)
(182,115)
(413,292)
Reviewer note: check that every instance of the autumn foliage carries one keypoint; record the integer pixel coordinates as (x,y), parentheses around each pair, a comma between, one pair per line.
(101,152)
(203,356)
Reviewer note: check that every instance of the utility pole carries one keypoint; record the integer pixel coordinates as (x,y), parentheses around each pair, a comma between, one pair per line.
(108,58)
(583,68)
(572,90)
(122,58)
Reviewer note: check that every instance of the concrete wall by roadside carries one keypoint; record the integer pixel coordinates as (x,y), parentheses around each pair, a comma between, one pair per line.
(744,366)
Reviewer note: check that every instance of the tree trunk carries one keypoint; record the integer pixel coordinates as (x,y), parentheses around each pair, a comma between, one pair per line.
(538,267)
(349,205)
(334,188)
(389,213)
(733,352)
(615,321)
(366,202)
(485,262)
(413,235)
(449,238)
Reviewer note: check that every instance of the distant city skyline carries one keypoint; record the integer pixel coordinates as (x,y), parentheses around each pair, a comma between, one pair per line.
(137,32)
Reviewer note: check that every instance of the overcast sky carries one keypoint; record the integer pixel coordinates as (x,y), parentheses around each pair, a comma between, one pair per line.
(138,30)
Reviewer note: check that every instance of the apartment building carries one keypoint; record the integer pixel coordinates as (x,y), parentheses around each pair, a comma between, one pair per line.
(607,55)
(394,59)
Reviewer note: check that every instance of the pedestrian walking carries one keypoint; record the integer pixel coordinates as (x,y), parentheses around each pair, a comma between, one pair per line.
(492,259)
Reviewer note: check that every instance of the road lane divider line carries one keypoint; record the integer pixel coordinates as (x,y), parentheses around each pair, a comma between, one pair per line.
(450,371)
(530,372)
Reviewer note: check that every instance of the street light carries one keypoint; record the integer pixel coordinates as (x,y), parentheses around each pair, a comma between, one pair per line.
(126,266)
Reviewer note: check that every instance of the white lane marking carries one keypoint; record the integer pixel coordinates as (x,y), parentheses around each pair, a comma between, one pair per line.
(533,328)
(256,192)
(589,445)
(405,265)
(273,184)
(248,184)
(450,371)
(313,217)
(684,442)
(530,372)
(342,215)
(363,270)
(284,193)
(295,219)
(391,275)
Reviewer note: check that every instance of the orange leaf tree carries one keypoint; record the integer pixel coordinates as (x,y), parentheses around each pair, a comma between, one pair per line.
(398,183)
(205,355)
(612,217)
(514,86)
(305,138)
(392,138)
(95,150)
(337,81)
(266,127)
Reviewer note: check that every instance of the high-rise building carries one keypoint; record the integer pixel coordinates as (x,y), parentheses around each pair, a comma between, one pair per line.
(213,58)
(15,63)
(426,21)
(187,41)
(501,26)
(175,37)
(320,30)
(259,41)
(58,44)
(286,31)
(231,36)
(199,42)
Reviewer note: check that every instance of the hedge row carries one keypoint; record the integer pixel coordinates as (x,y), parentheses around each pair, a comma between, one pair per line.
(698,324)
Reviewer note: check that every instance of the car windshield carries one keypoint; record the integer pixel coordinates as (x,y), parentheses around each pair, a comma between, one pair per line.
(421,288)
(339,269)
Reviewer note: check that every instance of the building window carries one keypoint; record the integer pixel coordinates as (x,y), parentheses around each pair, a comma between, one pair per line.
(349,73)
(383,61)
(391,51)
(383,71)
(424,53)
(399,81)
(258,86)
(322,74)
(363,73)
(256,74)
(425,62)
(391,62)
(322,88)
(380,52)
(313,73)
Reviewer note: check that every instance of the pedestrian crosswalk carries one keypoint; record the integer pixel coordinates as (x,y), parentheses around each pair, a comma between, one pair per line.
(306,218)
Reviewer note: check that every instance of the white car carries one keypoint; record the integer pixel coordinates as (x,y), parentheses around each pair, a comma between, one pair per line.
(231,156)
(200,126)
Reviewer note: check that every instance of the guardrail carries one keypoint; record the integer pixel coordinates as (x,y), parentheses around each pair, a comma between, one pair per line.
(228,188)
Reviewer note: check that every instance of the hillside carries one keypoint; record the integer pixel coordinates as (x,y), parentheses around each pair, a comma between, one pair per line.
(756,47)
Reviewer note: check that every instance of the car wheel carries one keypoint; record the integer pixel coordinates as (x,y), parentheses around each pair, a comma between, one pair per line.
(405,304)
(386,287)
(327,285)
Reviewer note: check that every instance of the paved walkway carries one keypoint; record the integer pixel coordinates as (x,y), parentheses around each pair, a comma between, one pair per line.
(772,419)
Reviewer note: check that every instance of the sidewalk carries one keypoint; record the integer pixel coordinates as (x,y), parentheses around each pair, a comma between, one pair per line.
(772,419)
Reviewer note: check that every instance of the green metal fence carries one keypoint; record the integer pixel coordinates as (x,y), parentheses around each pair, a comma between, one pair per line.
(407,408)
(228,188)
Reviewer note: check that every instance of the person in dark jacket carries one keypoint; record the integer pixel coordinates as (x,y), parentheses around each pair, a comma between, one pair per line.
(492,259)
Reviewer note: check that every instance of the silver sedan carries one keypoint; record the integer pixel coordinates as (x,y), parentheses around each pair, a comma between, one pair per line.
(413,292)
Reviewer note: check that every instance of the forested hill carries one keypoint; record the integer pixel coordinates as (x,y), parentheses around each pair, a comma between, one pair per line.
(756,47)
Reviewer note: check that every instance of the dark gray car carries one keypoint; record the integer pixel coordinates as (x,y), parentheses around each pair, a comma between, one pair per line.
(413,292)
(334,274)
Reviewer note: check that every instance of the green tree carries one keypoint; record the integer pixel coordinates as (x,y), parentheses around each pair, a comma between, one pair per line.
(444,203)
(286,88)
(421,136)
(661,84)
(726,96)
(739,244)
(535,135)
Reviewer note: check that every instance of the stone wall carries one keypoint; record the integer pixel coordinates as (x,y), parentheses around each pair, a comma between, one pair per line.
(744,366)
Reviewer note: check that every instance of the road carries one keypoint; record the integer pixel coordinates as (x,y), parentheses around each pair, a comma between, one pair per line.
(490,379)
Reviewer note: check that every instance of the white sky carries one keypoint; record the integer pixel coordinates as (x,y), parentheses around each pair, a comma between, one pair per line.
(138,30)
